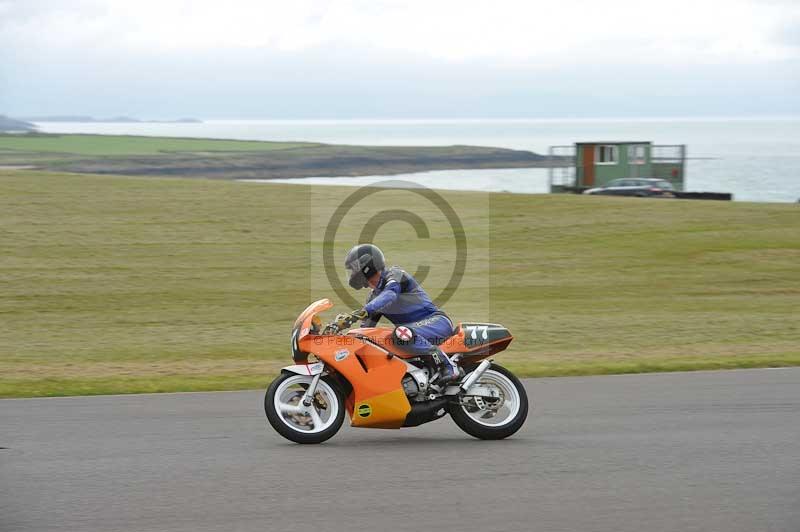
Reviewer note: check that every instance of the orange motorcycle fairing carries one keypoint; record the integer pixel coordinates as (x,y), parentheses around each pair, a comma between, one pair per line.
(477,341)
(382,336)
(306,324)
(474,341)
(378,399)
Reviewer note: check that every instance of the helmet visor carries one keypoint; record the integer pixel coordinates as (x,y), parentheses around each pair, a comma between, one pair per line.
(355,276)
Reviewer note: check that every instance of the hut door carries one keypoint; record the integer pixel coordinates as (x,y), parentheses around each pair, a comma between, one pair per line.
(588,165)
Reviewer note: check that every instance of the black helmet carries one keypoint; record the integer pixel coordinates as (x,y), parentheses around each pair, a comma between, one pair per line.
(362,262)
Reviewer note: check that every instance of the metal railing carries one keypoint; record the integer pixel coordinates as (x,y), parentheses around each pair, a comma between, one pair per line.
(562,177)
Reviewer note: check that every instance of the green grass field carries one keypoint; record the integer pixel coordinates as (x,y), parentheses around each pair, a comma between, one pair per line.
(238,159)
(118,285)
(111,145)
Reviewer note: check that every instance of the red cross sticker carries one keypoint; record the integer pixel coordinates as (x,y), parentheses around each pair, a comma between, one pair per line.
(404,333)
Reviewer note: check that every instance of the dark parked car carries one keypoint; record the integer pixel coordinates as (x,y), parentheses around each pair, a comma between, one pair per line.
(635,186)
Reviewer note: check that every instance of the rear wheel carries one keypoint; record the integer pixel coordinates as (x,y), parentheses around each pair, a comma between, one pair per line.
(495,418)
(299,423)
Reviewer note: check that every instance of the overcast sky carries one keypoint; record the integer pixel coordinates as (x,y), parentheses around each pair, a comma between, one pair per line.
(399,59)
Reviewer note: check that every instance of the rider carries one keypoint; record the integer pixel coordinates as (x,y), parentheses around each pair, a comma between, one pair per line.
(420,327)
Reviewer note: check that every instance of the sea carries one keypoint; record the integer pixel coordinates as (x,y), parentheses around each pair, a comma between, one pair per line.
(755,159)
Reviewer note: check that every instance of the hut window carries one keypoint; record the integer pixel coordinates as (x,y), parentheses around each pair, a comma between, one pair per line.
(606,155)
(636,154)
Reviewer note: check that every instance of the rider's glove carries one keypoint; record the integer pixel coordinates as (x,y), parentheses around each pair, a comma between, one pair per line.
(360,314)
(342,321)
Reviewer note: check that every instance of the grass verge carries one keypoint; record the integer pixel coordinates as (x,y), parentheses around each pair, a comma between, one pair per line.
(125,285)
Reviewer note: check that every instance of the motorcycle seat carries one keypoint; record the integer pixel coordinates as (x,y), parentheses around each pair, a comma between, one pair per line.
(470,337)
(466,338)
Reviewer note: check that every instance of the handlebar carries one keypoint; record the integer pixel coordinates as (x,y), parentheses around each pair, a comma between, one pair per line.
(343,323)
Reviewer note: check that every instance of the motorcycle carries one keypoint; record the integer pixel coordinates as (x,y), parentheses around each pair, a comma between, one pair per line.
(363,373)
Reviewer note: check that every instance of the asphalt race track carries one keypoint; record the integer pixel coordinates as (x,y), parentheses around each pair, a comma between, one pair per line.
(709,451)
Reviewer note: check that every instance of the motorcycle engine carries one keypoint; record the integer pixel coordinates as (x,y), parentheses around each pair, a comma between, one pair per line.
(410,385)
(415,383)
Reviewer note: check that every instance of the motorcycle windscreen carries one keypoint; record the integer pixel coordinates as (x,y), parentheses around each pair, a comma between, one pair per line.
(306,323)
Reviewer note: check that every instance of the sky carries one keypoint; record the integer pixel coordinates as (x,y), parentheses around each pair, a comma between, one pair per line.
(260,59)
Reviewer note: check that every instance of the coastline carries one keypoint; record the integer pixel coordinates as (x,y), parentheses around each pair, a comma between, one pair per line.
(232,159)
(723,152)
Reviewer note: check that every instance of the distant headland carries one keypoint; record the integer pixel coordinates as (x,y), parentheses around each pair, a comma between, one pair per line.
(12,125)
(244,159)
(111,120)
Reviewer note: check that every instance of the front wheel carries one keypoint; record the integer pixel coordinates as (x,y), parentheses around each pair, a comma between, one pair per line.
(304,424)
(496,418)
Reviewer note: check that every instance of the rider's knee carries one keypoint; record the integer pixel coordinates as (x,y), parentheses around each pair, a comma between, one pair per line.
(403,336)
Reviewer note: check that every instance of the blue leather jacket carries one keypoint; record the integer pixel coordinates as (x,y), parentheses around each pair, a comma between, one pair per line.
(400,298)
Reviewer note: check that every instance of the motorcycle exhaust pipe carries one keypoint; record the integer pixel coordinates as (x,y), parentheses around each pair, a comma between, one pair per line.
(424,412)
(475,375)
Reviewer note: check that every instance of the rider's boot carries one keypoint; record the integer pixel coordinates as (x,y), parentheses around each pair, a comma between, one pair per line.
(448,371)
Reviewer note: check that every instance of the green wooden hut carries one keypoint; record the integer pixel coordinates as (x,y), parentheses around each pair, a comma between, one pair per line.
(596,163)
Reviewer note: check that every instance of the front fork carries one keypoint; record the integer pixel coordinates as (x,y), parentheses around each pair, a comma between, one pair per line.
(308,397)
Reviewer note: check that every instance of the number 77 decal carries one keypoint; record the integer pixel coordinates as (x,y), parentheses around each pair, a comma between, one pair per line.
(484,333)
